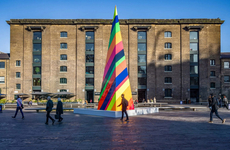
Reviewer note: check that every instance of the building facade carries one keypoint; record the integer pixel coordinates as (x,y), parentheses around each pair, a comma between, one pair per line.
(170,59)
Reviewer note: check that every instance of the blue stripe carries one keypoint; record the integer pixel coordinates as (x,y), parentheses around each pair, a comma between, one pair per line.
(114,22)
(106,101)
(121,76)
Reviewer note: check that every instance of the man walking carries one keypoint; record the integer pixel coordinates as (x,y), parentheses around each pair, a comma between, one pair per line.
(49,107)
(59,110)
(19,107)
(124,104)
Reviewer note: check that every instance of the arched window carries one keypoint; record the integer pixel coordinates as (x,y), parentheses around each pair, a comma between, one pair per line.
(168,57)
(212,85)
(63,81)
(168,45)
(168,80)
(168,34)
(63,68)
(63,34)
(63,57)
(63,46)
(168,92)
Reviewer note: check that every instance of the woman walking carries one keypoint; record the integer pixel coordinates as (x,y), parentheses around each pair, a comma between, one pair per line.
(59,110)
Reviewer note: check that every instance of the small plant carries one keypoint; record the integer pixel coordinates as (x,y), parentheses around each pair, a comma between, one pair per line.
(13,101)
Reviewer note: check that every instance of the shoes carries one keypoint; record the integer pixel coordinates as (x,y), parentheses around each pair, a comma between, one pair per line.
(46,123)
(121,119)
(127,120)
(223,120)
(210,122)
(53,122)
(13,117)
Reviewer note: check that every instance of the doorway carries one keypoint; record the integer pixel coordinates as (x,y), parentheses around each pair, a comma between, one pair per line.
(141,95)
(194,95)
(89,96)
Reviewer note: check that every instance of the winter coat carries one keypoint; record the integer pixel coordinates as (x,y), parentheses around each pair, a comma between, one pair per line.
(124,104)
(214,104)
(59,109)
(49,105)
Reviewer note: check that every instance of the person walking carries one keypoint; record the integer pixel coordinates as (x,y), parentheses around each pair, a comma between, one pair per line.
(19,107)
(214,108)
(124,104)
(59,110)
(225,100)
(49,107)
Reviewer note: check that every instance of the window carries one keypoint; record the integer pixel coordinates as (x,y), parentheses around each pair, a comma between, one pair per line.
(141,36)
(168,92)
(2,79)
(36,70)
(63,81)
(63,46)
(168,34)
(226,79)
(168,80)
(89,58)
(63,68)
(168,45)
(212,62)
(37,58)
(63,34)
(2,65)
(193,46)
(168,68)
(37,36)
(89,70)
(226,65)
(142,69)
(142,81)
(89,47)
(194,81)
(168,57)
(141,58)
(89,35)
(193,69)
(193,57)
(63,57)
(37,47)
(18,75)
(89,81)
(141,46)
(18,63)
(212,73)
(193,35)
(36,81)
(18,86)
(212,85)
(63,90)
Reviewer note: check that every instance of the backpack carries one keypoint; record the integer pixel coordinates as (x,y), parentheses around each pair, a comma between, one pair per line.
(126,103)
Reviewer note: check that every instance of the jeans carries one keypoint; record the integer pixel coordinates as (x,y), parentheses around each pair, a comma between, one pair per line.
(216,112)
(19,108)
(48,116)
(124,111)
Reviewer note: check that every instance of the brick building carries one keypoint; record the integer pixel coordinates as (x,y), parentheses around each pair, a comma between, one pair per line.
(170,59)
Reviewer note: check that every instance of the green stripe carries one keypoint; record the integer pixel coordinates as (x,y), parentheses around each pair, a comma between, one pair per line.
(112,102)
(120,61)
(113,33)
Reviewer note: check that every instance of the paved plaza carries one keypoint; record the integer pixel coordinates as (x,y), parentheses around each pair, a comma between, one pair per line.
(173,129)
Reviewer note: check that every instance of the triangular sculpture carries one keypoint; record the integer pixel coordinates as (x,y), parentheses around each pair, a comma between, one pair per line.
(116,78)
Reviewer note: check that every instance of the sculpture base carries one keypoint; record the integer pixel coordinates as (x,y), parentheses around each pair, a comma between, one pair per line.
(116,114)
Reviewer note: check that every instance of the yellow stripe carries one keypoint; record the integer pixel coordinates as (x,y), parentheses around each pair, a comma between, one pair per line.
(118,37)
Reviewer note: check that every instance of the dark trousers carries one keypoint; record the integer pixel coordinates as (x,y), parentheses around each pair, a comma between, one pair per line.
(124,111)
(18,108)
(48,116)
(216,112)
(59,116)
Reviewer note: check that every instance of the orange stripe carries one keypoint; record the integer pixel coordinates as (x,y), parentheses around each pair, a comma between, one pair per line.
(120,68)
(112,45)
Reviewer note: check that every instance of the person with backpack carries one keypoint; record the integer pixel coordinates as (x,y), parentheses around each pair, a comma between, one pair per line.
(214,108)
(19,107)
(49,107)
(124,104)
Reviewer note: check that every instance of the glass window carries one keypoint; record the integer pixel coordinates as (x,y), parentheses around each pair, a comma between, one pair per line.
(89,35)
(37,36)
(168,34)
(168,45)
(142,81)
(89,58)
(18,86)
(168,92)
(168,80)
(2,79)
(89,70)
(89,47)
(63,90)
(168,57)
(226,64)
(63,45)
(141,58)
(63,34)
(212,85)
(63,80)
(193,35)
(226,79)
(141,46)
(37,58)
(142,69)
(36,81)
(193,46)
(63,68)
(18,63)
(2,64)
(18,75)
(194,81)
(168,68)
(193,57)
(89,81)
(141,35)
(37,47)
(212,73)
(193,69)
(63,57)
(212,62)
(36,70)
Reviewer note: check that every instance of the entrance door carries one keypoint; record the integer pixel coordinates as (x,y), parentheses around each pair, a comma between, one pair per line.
(194,95)
(141,95)
(89,96)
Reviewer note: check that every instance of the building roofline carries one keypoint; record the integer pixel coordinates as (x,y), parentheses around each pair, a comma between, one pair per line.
(109,21)
(225,55)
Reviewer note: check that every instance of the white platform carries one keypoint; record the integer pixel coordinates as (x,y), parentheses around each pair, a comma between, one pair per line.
(116,114)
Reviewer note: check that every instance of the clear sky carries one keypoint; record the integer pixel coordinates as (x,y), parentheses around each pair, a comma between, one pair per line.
(103,9)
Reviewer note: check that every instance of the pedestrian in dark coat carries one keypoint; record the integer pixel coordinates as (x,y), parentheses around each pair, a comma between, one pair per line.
(124,104)
(214,108)
(19,107)
(49,107)
(59,110)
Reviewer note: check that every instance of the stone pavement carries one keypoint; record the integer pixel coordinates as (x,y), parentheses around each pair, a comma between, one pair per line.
(165,130)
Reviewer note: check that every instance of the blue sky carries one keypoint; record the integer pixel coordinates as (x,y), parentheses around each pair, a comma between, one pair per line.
(103,9)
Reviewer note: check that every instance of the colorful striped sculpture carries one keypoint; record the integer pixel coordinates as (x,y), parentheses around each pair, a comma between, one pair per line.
(116,78)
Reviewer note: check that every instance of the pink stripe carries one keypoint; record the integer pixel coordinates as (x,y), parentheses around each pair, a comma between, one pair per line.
(116,50)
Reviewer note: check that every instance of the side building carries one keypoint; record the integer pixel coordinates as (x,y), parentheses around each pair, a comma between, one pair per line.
(170,59)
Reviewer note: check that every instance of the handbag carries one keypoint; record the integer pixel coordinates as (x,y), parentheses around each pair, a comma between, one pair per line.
(56,116)
(22,106)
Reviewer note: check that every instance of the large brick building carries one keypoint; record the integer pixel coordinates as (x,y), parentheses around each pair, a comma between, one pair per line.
(170,59)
